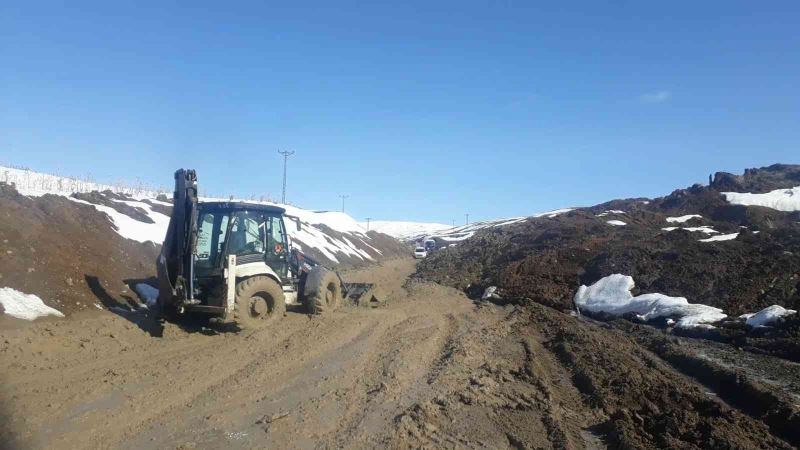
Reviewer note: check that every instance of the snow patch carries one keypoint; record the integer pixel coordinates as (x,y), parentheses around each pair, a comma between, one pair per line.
(612,295)
(610,211)
(682,219)
(616,223)
(402,230)
(721,237)
(25,306)
(780,199)
(553,213)
(704,229)
(768,315)
(131,228)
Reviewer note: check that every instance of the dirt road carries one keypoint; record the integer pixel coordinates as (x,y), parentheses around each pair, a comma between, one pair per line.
(430,368)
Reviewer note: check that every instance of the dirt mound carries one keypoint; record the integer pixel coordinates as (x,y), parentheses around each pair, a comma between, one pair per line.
(106,198)
(66,252)
(545,260)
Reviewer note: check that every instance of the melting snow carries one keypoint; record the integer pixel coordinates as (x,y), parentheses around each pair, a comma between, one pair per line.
(25,306)
(612,295)
(682,219)
(616,223)
(553,213)
(610,211)
(767,315)
(780,199)
(131,228)
(404,229)
(704,229)
(721,237)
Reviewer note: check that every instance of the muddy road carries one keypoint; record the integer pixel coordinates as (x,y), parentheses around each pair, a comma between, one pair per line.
(431,368)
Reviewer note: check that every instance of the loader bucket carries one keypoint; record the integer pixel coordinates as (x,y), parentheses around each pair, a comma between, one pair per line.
(364,294)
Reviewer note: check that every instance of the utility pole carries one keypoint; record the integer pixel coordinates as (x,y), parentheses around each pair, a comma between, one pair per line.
(343,197)
(286,155)
(368,219)
(467,218)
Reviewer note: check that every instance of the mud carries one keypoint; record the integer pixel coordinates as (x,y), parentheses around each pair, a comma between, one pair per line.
(430,368)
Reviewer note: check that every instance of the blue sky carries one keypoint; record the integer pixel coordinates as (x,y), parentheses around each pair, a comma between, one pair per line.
(417,111)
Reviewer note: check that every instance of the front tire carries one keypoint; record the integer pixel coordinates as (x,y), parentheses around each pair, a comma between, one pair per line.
(259,300)
(323,291)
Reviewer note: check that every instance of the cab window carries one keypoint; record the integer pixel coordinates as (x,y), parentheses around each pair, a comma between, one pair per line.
(210,237)
(247,234)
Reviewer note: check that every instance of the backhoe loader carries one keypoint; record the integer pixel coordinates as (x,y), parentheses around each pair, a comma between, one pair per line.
(235,261)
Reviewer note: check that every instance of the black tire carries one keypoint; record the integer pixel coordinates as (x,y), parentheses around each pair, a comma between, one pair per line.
(259,300)
(323,291)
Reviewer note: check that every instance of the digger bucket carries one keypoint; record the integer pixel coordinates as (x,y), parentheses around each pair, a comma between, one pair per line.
(364,294)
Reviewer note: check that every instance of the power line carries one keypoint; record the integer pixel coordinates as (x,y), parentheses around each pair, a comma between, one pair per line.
(286,155)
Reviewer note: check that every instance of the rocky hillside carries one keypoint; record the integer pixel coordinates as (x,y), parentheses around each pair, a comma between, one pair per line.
(713,245)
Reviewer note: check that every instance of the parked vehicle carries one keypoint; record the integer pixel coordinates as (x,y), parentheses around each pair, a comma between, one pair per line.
(420,253)
(430,245)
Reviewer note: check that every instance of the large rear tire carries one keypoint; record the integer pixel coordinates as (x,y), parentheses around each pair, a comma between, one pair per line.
(259,300)
(323,291)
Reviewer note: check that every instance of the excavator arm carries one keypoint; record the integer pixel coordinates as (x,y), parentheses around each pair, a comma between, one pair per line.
(175,264)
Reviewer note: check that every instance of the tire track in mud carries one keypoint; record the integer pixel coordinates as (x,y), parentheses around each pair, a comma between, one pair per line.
(396,377)
(328,390)
(646,402)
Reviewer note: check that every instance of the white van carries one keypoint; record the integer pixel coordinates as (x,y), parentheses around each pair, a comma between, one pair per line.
(420,253)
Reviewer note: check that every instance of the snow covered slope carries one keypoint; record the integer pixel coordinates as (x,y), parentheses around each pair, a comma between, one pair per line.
(136,214)
(780,199)
(462,232)
(29,182)
(402,230)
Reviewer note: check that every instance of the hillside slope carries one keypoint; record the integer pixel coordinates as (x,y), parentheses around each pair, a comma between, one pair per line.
(735,255)
(57,235)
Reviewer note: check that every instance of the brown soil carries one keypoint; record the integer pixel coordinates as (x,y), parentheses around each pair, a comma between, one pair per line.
(67,253)
(429,369)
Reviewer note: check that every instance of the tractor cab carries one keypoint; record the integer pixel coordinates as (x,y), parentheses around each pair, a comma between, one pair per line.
(255,234)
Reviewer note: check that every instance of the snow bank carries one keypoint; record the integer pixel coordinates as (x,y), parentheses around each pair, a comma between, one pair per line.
(147,293)
(616,223)
(462,232)
(35,184)
(610,211)
(25,306)
(768,315)
(721,237)
(682,219)
(704,229)
(612,295)
(553,213)
(131,228)
(402,230)
(780,199)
